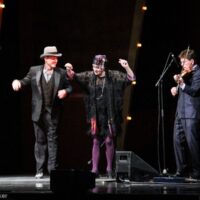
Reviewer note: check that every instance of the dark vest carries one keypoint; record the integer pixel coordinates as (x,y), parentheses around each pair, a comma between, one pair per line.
(47,91)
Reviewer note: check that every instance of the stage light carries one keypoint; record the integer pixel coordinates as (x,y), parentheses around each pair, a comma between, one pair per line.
(133,83)
(144,8)
(2,5)
(139,44)
(128,118)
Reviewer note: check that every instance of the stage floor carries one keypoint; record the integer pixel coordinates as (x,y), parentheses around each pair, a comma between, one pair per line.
(27,187)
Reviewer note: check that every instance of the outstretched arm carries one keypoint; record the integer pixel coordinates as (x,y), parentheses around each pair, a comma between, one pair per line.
(125,65)
(70,71)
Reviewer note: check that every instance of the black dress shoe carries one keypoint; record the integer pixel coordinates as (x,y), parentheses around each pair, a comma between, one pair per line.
(195,176)
(180,174)
(96,174)
(39,175)
(177,174)
(110,174)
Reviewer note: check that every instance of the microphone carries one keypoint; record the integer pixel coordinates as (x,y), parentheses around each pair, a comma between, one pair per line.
(175,60)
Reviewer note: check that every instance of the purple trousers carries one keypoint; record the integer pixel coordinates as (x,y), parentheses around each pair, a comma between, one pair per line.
(109,151)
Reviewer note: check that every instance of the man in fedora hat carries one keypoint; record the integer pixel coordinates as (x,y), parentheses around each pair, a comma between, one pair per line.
(49,87)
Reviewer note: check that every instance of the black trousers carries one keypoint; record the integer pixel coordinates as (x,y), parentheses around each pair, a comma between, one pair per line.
(187,143)
(46,143)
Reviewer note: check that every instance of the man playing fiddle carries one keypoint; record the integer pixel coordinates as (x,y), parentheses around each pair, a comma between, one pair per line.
(187,119)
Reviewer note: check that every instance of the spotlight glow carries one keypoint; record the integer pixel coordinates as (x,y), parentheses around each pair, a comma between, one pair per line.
(139,44)
(128,118)
(144,8)
(133,83)
(2,5)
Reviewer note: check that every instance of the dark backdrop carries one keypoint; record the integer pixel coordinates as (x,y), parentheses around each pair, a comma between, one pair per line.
(81,29)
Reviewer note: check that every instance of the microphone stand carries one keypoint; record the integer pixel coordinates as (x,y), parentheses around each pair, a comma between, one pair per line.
(159,84)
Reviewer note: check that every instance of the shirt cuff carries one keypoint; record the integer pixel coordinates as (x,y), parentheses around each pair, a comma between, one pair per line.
(182,86)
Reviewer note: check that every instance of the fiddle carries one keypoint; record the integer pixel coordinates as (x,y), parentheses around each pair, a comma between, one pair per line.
(179,77)
(184,73)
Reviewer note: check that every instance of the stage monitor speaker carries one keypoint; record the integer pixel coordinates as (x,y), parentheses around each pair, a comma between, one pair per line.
(130,166)
(67,181)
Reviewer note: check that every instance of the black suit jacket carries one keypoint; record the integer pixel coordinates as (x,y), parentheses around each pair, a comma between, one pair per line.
(189,98)
(33,78)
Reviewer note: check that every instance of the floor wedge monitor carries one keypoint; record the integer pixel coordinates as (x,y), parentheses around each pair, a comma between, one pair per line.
(130,166)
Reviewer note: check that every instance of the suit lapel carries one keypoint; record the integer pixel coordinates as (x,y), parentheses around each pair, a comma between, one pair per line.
(38,77)
(57,81)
